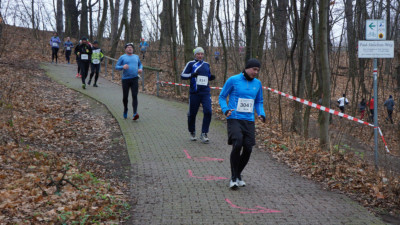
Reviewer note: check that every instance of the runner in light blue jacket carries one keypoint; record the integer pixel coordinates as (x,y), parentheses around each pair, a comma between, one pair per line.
(245,95)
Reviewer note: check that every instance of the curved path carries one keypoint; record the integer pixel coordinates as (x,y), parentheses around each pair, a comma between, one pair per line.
(177,181)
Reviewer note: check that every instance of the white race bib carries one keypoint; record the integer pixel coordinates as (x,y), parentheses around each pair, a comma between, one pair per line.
(202,80)
(68,48)
(55,44)
(84,56)
(96,61)
(245,105)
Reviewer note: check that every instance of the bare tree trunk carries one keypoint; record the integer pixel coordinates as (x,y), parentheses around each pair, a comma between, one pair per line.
(237,8)
(280,22)
(136,23)
(252,25)
(1,23)
(261,39)
(172,14)
(84,19)
(351,44)
(223,41)
(59,19)
(203,35)
(71,18)
(103,20)
(114,45)
(326,73)
(186,21)
(114,25)
(166,20)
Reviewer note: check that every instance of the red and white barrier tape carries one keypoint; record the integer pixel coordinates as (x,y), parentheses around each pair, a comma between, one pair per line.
(308,103)
(185,85)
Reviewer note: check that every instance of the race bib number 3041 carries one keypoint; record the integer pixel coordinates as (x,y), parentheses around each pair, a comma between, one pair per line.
(245,105)
(202,80)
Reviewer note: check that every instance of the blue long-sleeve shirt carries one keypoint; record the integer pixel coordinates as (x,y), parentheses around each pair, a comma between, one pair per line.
(134,64)
(203,69)
(240,89)
(68,45)
(55,42)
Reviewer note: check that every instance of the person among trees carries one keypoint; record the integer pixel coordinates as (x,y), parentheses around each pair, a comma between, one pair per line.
(143,47)
(97,58)
(370,105)
(361,108)
(55,46)
(132,67)
(68,45)
(216,56)
(84,53)
(343,101)
(198,71)
(389,104)
(245,95)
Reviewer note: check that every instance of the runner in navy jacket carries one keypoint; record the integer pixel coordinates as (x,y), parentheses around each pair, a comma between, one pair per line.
(198,71)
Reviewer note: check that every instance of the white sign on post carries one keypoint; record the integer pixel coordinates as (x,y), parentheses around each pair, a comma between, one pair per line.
(375,30)
(376,49)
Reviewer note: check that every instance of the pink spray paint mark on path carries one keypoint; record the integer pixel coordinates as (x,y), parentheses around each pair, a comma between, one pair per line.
(207,177)
(258,209)
(201,159)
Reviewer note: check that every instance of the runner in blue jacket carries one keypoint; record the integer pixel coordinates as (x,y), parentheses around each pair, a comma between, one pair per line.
(245,95)
(198,71)
(55,46)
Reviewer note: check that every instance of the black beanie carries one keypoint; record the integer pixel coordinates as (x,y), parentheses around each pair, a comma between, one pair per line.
(253,63)
(84,38)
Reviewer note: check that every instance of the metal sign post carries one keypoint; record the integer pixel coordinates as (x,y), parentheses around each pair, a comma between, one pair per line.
(375,47)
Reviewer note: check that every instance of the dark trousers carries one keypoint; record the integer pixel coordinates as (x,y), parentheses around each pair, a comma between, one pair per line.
(68,55)
(241,135)
(133,85)
(95,68)
(341,109)
(54,52)
(79,64)
(390,112)
(194,104)
(372,114)
(84,66)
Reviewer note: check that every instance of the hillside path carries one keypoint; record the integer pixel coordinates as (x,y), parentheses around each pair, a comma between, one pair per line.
(176,181)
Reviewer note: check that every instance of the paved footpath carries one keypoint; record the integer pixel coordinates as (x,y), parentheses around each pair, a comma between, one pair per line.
(177,181)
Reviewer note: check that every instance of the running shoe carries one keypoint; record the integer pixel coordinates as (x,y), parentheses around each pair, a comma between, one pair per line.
(233,184)
(80,75)
(204,138)
(193,136)
(90,81)
(240,182)
(95,85)
(84,86)
(77,75)
(125,113)
(135,116)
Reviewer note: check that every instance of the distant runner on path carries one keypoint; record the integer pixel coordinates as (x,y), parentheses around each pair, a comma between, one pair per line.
(55,46)
(68,45)
(245,94)
(143,47)
(343,101)
(97,57)
(84,53)
(132,67)
(198,71)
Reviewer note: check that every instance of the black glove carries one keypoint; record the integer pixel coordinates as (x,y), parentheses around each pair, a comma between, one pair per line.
(212,77)
(227,111)
(194,75)
(263,118)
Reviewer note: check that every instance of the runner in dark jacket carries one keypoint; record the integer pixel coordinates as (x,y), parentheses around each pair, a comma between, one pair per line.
(84,52)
